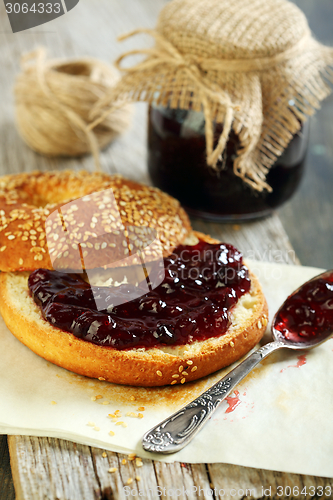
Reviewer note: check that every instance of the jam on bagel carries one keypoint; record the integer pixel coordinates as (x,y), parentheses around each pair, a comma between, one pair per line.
(63,293)
(202,283)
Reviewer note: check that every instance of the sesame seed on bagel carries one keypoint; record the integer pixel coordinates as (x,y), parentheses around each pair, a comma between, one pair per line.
(40,221)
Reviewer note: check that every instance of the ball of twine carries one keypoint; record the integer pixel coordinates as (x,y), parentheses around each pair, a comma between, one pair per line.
(54,101)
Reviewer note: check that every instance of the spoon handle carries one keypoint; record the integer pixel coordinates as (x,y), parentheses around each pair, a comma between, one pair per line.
(175,432)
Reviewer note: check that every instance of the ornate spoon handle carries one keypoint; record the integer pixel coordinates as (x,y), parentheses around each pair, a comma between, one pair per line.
(175,432)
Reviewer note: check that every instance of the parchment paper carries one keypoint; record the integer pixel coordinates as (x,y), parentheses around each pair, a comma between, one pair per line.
(279,418)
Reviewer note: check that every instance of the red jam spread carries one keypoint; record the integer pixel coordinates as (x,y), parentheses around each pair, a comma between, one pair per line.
(202,283)
(308,314)
(177,165)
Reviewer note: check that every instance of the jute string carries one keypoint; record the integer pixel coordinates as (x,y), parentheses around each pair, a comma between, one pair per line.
(239,70)
(54,101)
(166,53)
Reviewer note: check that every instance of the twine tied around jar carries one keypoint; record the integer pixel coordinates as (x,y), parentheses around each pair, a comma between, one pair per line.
(254,67)
(54,100)
(166,53)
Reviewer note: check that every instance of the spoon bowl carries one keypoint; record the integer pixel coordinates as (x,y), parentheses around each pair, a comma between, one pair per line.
(301,346)
(304,321)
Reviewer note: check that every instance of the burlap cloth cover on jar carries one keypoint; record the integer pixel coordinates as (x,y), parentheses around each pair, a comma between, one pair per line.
(249,64)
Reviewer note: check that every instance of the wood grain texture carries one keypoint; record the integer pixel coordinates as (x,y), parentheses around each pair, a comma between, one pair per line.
(43,466)
(6,483)
(256,483)
(47,468)
(307,218)
(264,240)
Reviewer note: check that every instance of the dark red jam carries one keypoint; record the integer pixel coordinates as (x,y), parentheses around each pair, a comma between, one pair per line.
(177,165)
(308,314)
(202,283)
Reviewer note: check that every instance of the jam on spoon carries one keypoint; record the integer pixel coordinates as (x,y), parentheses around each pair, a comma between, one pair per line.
(308,313)
(201,285)
(177,164)
(304,321)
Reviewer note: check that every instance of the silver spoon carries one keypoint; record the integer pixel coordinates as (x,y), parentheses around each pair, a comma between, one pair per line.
(175,432)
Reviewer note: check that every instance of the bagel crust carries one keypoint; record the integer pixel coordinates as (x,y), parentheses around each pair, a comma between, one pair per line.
(31,228)
(137,367)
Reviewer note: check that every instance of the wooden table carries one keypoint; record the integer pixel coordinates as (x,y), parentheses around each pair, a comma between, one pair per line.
(45,468)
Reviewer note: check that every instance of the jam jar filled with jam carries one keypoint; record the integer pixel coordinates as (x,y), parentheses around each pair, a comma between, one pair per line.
(231,87)
(177,164)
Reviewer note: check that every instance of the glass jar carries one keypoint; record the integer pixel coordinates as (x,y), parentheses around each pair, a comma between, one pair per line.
(177,165)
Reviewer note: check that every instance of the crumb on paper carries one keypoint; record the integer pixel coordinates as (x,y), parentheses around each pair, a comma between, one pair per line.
(106,403)
(111,433)
(140,415)
(96,428)
(91,424)
(132,414)
(53,402)
(114,416)
(104,455)
(99,396)
(141,408)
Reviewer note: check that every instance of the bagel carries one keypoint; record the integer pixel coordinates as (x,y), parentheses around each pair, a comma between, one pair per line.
(154,365)
(138,367)
(32,231)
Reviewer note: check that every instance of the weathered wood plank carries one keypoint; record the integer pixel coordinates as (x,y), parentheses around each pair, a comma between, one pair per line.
(264,240)
(308,217)
(6,482)
(137,476)
(175,480)
(235,482)
(202,481)
(45,468)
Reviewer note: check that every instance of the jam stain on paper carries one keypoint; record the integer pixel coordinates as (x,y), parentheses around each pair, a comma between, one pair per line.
(233,402)
(301,361)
